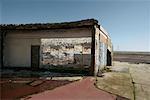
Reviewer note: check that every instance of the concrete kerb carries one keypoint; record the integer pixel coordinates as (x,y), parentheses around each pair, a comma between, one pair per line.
(76,78)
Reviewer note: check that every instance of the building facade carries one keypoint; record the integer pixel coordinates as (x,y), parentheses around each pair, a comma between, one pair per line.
(81,44)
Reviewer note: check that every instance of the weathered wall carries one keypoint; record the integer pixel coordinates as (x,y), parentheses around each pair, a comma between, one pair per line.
(103,55)
(103,49)
(97,50)
(102,43)
(103,37)
(55,33)
(17,50)
(69,52)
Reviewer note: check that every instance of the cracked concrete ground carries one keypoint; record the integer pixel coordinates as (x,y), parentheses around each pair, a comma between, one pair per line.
(141,79)
(128,80)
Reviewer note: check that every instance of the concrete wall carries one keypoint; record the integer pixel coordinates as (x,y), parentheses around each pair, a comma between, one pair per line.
(102,43)
(103,38)
(103,55)
(17,50)
(103,49)
(97,49)
(67,52)
(107,49)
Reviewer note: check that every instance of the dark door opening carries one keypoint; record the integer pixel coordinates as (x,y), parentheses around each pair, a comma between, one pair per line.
(109,59)
(35,56)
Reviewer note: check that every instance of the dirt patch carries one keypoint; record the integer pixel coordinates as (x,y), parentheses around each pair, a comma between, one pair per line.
(21,87)
(132,57)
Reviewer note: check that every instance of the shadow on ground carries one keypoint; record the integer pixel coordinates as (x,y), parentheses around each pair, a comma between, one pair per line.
(16,83)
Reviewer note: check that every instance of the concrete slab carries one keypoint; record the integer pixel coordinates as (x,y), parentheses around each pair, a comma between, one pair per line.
(142,92)
(119,67)
(128,80)
(140,74)
(116,83)
(141,77)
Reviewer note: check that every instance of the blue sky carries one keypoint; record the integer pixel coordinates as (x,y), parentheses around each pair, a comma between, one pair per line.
(127,21)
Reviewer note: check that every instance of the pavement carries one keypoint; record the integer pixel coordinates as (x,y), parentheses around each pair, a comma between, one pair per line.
(131,81)
(79,90)
(16,88)
(141,78)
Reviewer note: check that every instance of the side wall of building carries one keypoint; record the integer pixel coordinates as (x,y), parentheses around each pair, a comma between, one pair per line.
(109,47)
(17,50)
(103,49)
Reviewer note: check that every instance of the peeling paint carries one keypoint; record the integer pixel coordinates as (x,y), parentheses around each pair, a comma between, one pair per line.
(66,51)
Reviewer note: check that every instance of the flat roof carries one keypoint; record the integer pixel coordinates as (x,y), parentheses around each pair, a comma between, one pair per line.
(62,25)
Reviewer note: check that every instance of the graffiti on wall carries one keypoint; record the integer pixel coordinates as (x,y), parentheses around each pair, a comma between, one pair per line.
(66,51)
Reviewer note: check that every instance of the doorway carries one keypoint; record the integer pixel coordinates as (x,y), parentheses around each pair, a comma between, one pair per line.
(109,59)
(35,56)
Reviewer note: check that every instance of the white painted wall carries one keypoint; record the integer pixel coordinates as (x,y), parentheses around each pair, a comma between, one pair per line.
(17,51)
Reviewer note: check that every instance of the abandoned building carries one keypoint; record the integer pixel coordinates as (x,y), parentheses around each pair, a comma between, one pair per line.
(81,44)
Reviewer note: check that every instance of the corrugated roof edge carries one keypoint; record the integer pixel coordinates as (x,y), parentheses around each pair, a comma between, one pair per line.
(73,24)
